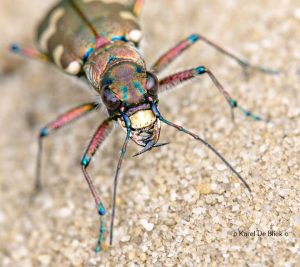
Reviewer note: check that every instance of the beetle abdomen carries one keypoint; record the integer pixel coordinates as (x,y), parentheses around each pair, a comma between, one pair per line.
(66,38)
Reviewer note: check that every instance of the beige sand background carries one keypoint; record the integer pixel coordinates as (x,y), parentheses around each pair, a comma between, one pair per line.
(177,205)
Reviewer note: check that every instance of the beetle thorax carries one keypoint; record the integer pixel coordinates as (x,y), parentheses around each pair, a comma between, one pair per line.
(101,60)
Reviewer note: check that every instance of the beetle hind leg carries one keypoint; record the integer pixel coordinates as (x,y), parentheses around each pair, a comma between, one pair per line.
(28,52)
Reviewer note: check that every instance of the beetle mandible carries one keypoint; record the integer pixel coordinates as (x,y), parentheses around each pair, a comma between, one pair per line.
(98,40)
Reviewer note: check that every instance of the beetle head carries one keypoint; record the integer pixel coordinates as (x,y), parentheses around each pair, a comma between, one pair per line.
(126,87)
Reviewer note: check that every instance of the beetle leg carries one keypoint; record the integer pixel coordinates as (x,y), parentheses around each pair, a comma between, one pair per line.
(175,51)
(172,80)
(137,7)
(29,52)
(61,121)
(102,132)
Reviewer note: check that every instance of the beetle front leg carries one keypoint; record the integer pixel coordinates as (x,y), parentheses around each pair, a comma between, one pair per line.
(168,57)
(98,138)
(171,81)
(61,121)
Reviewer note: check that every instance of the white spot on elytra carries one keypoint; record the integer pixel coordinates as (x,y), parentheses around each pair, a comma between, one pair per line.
(57,54)
(51,29)
(127,15)
(73,68)
(135,36)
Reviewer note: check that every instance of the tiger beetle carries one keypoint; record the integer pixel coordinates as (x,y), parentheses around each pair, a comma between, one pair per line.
(98,40)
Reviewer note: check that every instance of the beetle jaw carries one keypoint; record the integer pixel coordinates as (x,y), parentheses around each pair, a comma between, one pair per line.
(145,127)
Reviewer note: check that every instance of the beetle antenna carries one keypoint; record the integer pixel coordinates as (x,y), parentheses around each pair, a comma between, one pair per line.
(197,137)
(122,154)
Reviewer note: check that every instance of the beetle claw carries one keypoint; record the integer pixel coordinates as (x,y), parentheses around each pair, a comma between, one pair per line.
(149,146)
(161,144)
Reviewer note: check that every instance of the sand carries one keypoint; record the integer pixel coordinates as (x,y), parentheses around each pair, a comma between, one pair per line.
(177,205)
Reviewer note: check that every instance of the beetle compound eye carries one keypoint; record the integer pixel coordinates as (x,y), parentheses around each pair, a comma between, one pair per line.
(110,99)
(152,84)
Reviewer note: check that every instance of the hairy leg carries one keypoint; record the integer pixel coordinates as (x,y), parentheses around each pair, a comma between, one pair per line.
(172,80)
(100,135)
(54,125)
(168,57)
